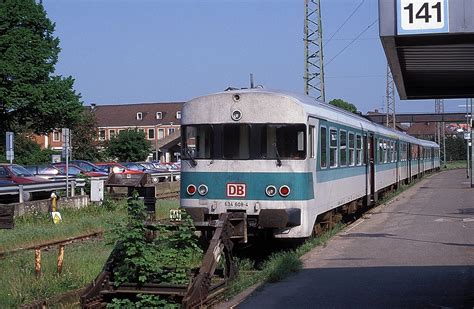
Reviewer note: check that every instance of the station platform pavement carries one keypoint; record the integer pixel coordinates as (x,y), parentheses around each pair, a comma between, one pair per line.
(415,252)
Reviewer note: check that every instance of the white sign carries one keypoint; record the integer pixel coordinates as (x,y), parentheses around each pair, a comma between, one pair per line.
(10,145)
(236,190)
(66,138)
(422,16)
(467,135)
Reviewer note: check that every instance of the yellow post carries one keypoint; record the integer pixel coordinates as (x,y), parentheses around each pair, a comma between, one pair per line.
(60,258)
(54,202)
(38,262)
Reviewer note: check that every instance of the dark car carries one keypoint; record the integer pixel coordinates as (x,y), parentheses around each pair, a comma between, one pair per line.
(88,166)
(117,168)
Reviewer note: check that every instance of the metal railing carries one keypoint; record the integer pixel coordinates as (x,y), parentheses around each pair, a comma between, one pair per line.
(59,183)
(43,186)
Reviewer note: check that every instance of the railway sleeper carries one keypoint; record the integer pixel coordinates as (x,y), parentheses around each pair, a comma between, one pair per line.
(206,282)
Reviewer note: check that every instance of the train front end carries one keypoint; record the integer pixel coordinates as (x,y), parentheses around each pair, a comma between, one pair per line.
(246,151)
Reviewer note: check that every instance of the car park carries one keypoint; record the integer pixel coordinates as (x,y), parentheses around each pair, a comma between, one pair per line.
(74,170)
(88,166)
(139,167)
(117,168)
(43,171)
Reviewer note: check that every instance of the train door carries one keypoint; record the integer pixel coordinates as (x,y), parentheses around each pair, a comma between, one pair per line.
(409,159)
(312,144)
(369,155)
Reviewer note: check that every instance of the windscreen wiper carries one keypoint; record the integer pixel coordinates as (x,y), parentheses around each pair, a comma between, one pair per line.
(190,156)
(277,154)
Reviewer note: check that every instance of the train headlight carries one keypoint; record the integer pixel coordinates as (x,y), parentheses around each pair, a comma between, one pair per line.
(203,190)
(284,191)
(271,190)
(191,189)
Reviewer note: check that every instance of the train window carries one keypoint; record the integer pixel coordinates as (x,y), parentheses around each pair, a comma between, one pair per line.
(197,141)
(358,149)
(236,141)
(385,151)
(343,147)
(351,149)
(380,150)
(332,147)
(311,141)
(283,141)
(323,147)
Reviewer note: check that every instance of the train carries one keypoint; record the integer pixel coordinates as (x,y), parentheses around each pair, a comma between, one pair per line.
(289,163)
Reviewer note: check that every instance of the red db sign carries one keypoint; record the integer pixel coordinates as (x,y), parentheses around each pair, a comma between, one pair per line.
(236,190)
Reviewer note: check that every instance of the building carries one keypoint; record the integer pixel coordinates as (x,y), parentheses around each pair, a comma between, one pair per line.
(428,130)
(51,140)
(159,121)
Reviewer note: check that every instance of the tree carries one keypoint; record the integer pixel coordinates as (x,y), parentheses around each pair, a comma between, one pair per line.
(129,145)
(84,138)
(32,99)
(344,105)
(456,148)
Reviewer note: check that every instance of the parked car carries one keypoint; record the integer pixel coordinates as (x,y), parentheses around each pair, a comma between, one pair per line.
(6,182)
(88,166)
(17,174)
(138,167)
(171,167)
(117,168)
(74,170)
(43,171)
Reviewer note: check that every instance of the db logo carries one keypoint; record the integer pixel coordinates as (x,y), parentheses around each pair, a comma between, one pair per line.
(236,190)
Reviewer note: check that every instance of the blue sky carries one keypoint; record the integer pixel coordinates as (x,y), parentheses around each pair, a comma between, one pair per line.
(133,51)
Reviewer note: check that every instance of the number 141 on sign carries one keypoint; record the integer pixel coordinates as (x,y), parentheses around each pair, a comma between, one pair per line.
(422,15)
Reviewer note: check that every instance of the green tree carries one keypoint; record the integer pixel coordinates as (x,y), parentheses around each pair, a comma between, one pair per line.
(456,148)
(84,138)
(344,105)
(32,99)
(129,145)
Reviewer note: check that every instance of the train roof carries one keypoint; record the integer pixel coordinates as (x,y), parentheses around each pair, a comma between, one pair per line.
(326,111)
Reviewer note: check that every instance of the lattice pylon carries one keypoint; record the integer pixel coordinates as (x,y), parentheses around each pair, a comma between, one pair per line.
(390,99)
(313,42)
(440,137)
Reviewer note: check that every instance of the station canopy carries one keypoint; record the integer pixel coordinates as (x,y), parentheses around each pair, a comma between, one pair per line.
(429,46)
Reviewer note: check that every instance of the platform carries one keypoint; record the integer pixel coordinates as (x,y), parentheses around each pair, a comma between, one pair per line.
(417,251)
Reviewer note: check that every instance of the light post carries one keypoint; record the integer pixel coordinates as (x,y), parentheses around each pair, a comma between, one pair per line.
(472,146)
(156,141)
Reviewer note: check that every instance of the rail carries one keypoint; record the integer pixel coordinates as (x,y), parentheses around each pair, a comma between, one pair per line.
(41,187)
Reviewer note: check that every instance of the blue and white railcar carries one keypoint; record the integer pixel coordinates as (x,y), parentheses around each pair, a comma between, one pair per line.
(288,160)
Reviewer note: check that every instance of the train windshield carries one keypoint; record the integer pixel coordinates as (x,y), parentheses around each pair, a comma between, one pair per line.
(244,141)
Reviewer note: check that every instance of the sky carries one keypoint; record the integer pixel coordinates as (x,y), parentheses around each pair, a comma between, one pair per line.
(135,51)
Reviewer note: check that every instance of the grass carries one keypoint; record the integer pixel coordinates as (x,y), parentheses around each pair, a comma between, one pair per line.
(456,164)
(162,209)
(82,261)
(18,283)
(278,266)
(38,228)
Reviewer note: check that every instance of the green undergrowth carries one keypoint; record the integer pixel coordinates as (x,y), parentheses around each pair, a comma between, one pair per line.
(455,165)
(18,282)
(278,266)
(153,254)
(38,228)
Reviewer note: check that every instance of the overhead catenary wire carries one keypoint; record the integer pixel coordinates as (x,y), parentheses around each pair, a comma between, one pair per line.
(345,22)
(351,42)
